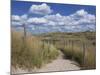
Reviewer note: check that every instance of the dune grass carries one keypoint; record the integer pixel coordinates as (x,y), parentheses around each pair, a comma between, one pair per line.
(75,51)
(87,61)
(30,52)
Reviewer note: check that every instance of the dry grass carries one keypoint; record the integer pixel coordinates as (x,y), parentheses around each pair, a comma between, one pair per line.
(75,52)
(30,52)
(86,62)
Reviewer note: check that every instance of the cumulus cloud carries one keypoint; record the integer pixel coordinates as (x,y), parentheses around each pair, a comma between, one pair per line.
(81,12)
(37,20)
(81,20)
(42,9)
(57,17)
(15,18)
(24,17)
(19,20)
(14,23)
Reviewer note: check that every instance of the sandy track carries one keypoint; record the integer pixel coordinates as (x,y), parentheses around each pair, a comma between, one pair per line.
(59,64)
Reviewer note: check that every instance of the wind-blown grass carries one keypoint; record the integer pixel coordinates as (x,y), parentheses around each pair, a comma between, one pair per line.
(72,46)
(86,62)
(30,52)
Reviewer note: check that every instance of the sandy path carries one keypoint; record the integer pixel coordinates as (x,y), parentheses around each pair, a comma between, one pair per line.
(59,64)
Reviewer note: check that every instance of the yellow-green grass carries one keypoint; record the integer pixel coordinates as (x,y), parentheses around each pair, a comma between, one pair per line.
(73,44)
(87,60)
(30,52)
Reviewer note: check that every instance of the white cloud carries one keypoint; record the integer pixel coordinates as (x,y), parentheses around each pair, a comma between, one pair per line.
(78,21)
(83,17)
(51,23)
(81,12)
(81,20)
(37,20)
(57,17)
(24,17)
(16,23)
(42,9)
(19,20)
(15,18)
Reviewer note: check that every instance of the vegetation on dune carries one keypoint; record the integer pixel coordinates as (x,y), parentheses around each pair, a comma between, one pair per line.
(30,52)
(73,45)
(85,63)
(33,52)
(76,55)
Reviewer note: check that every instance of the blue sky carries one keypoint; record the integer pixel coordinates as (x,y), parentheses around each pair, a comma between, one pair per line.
(22,7)
(53,17)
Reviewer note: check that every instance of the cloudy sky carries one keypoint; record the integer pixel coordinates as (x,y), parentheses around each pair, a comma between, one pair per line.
(50,17)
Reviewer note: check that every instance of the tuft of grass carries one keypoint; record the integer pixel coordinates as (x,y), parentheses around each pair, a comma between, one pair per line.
(30,52)
(68,53)
(76,55)
(89,62)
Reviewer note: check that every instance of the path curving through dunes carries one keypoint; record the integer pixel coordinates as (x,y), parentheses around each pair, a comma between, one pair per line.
(59,64)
